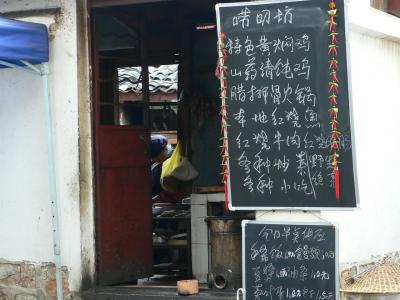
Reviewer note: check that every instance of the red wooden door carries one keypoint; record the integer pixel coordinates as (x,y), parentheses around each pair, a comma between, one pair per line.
(123,205)
(123,188)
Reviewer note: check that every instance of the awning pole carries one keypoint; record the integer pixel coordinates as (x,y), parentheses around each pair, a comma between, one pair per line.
(26,69)
(52,181)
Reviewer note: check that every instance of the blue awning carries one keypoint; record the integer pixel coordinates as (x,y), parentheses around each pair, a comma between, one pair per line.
(23,41)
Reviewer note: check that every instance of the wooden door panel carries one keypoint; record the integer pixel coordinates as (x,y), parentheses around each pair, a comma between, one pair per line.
(123,146)
(126,227)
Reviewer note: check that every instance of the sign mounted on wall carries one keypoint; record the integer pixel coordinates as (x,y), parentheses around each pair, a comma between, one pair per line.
(286,112)
(290,261)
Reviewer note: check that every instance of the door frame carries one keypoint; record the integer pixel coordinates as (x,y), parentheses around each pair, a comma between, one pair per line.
(94,72)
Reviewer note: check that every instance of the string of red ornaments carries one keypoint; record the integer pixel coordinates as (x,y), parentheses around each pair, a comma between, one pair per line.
(333,94)
(221,73)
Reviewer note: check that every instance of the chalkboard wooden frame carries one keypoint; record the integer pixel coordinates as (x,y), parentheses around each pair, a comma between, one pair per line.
(246,223)
(228,192)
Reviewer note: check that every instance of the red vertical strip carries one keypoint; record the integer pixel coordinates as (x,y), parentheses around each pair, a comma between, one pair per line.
(226,191)
(337,182)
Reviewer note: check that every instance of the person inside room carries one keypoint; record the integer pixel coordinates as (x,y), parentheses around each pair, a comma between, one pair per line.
(161,150)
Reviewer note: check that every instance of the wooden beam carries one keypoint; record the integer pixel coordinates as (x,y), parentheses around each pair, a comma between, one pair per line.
(145,68)
(107,3)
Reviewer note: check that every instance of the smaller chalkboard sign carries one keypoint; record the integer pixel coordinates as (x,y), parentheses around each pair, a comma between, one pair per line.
(290,260)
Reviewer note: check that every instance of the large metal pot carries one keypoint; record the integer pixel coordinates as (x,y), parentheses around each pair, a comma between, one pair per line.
(226,252)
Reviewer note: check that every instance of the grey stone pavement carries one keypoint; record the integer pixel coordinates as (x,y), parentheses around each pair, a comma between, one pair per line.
(152,293)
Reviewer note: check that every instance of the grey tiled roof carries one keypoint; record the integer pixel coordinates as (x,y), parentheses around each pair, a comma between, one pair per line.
(163,78)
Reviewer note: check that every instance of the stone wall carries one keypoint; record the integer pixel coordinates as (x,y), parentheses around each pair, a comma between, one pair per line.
(30,281)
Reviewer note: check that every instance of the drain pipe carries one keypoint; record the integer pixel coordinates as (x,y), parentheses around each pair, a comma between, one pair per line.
(52,181)
(220,281)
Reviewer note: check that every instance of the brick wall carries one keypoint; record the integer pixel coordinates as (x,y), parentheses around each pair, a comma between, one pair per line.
(30,281)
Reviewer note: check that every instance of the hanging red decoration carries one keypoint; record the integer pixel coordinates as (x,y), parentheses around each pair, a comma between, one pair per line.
(333,91)
(337,181)
(333,64)
(333,99)
(221,73)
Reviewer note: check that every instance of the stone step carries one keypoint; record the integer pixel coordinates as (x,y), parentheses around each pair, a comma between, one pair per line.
(152,293)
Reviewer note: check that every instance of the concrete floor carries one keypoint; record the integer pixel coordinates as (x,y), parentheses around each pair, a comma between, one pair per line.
(152,293)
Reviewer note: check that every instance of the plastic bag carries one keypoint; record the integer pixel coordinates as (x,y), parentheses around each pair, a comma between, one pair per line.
(176,168)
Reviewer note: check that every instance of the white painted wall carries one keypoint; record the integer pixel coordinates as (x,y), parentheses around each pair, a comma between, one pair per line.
(25,231)
(375,67)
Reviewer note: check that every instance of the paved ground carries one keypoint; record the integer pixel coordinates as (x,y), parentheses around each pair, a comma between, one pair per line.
(152,293)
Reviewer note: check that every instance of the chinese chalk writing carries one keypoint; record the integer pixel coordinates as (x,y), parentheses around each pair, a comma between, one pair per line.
(279,136)
(290,261)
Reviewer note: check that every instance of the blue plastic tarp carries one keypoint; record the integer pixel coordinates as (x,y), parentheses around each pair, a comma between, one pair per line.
(23,41)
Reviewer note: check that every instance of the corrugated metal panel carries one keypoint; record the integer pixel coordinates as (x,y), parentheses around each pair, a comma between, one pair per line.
(163,78)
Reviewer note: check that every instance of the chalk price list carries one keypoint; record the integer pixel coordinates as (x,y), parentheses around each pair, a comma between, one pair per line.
(292,262)
(276,139)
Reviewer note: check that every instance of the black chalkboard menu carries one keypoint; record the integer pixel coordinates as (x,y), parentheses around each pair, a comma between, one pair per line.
(289,261)
(286,116)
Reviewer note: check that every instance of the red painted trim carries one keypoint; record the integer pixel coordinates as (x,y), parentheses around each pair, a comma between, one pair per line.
(393,7)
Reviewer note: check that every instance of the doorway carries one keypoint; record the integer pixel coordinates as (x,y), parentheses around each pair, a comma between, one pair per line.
(153,73)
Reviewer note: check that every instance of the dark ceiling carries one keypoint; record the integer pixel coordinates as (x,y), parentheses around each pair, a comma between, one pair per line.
(162,24)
